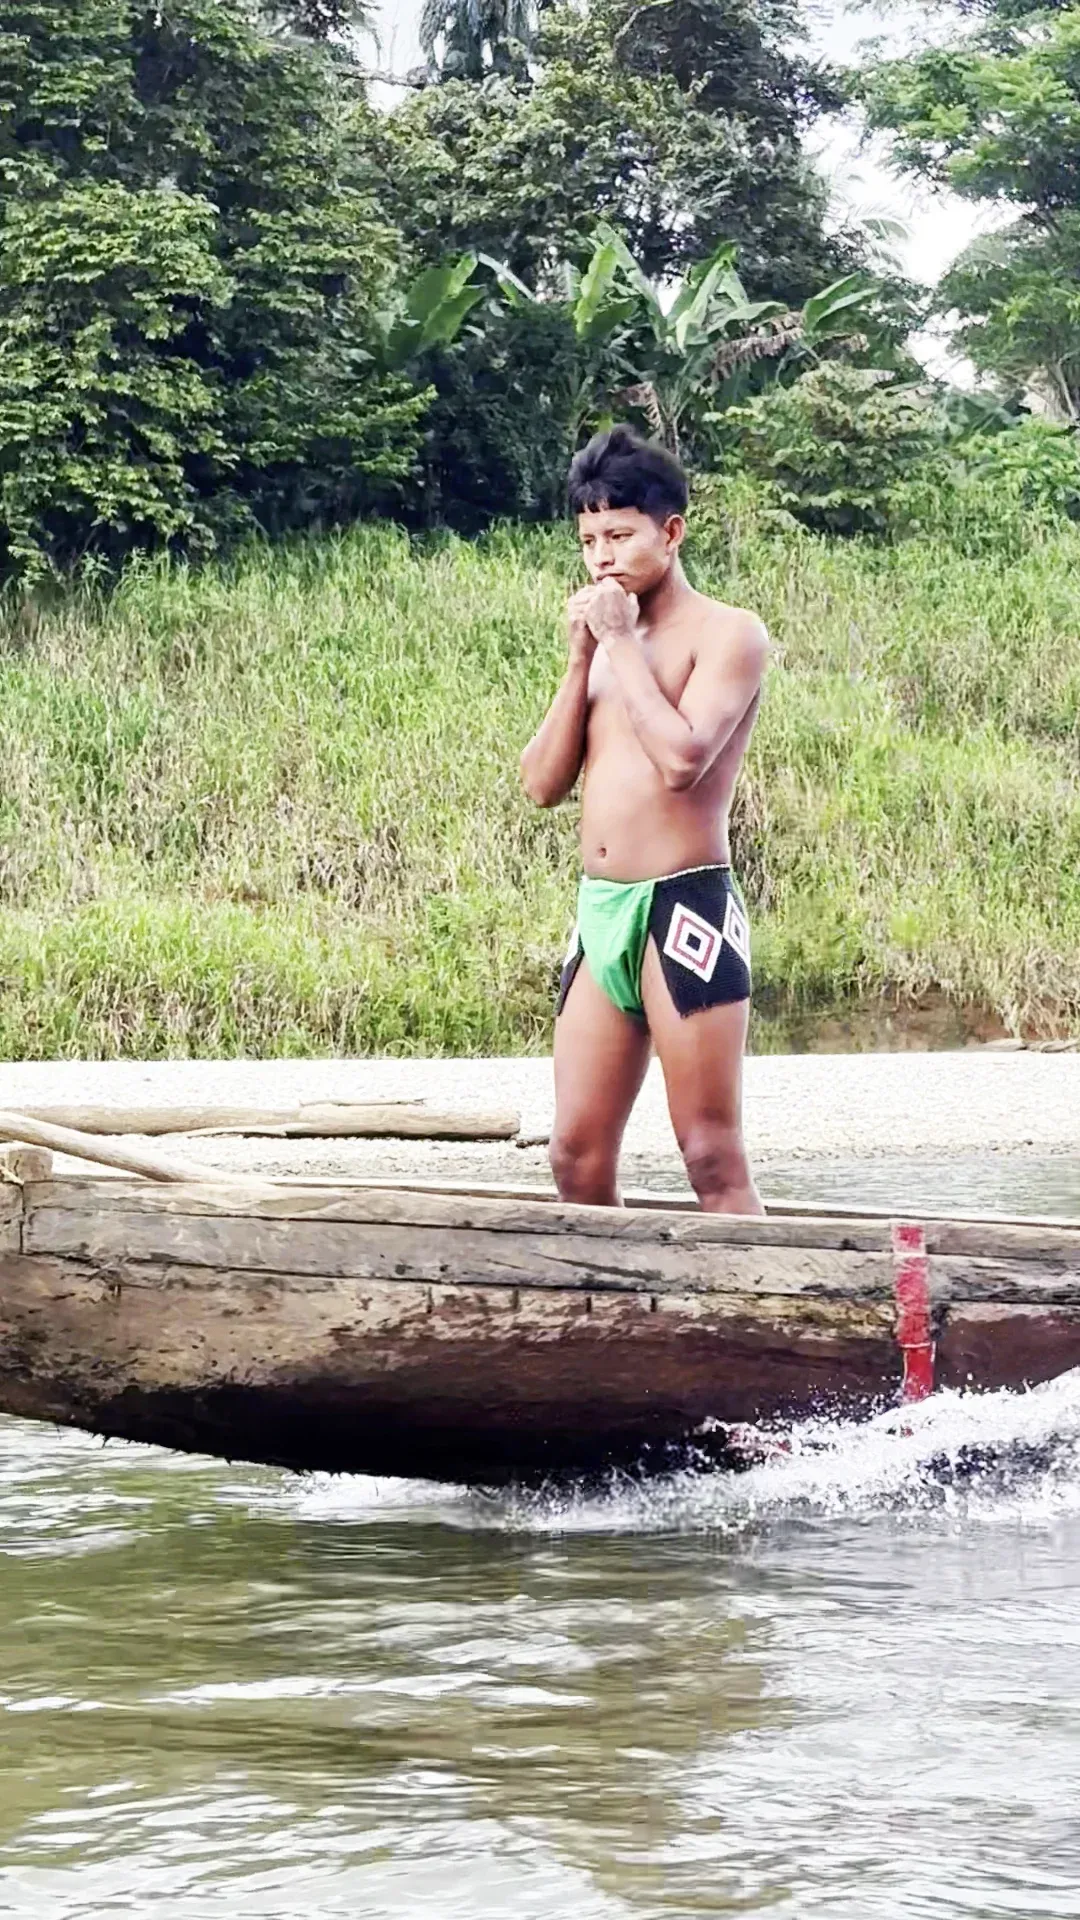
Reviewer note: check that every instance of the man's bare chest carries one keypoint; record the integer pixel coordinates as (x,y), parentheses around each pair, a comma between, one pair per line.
(670,661)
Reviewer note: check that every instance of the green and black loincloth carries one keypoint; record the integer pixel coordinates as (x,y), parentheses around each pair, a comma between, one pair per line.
(698,922)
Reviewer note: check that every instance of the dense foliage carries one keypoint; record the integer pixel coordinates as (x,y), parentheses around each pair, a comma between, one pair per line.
(994,113)
(681,124)
(190,265)
(835,445)
(235,298)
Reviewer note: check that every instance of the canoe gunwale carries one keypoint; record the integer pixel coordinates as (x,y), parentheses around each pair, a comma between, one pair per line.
(636,1201)
(1053,1245)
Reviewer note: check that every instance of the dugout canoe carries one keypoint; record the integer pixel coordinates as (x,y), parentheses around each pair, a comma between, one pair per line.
(488,1335)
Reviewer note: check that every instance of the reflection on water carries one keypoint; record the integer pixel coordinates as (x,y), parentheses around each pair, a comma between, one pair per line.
(1009,1183)
(847,1684)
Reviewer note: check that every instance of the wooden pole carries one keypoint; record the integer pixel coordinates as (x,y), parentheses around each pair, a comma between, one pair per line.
(327,1119)
(38,1133)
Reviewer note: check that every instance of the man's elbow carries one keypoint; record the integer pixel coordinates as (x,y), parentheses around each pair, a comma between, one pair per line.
(540,792)
(685,768)
(542,796)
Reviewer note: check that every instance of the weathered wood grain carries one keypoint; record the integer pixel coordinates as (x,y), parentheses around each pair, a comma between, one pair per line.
(1043,1280)
(11,1215)
(322,1201)
(694,1257)
(155,1166)
(453,1382)
(546,1216)
(483,1336)
(992,1344)
(453,1255)
(24,1164)
(801,1210)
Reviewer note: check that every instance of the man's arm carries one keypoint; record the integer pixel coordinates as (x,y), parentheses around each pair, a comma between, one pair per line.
(552,760)
(684,741)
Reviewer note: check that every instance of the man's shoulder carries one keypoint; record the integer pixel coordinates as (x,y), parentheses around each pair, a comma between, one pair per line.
(735,629)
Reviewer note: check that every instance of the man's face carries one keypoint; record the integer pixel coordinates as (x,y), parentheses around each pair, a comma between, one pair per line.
(629,546)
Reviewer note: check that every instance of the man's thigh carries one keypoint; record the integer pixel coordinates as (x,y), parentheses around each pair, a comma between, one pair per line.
(702,1055)
(601,1055)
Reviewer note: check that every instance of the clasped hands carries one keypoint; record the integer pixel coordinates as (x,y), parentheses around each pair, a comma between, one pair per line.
(604,612)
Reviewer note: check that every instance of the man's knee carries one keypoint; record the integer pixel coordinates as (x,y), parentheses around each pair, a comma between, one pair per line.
(714,1155)
(582,1168)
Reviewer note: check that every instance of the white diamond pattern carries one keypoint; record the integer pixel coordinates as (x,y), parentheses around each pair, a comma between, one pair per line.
(693,942)
(737,929)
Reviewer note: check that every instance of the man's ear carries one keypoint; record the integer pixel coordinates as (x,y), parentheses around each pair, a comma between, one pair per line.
(675,529)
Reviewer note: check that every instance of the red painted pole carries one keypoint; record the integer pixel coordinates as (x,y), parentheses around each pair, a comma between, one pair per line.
(913,1330)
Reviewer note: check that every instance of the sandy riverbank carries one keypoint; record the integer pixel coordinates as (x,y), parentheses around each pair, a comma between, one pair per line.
(867,1109)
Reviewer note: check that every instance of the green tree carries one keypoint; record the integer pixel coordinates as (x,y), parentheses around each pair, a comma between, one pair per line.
(529,375)
(995,115)
(1019,293)
(503,425)
(190,270)
(680,123)
(834,445)
(103,410)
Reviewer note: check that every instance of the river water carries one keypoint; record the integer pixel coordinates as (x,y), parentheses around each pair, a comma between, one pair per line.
(844,1686)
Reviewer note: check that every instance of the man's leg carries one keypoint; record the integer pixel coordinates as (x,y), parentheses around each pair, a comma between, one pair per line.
(702,1059)
(601,1056)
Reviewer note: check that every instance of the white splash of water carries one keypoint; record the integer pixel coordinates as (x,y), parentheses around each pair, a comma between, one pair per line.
(989,1458)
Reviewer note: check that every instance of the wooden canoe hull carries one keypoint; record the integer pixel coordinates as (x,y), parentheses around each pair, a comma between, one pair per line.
(483,1339)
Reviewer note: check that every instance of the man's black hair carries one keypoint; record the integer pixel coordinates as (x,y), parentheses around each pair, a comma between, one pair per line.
(619,468)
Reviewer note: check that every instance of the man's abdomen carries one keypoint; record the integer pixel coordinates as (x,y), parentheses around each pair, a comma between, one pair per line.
(633,827)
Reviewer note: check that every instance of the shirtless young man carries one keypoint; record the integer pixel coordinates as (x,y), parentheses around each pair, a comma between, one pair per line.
(657,704)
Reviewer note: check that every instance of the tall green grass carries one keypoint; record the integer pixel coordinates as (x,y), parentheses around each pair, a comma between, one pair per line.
(272,807)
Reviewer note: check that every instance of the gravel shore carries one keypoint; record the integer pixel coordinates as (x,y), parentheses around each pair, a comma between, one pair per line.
(807,1110)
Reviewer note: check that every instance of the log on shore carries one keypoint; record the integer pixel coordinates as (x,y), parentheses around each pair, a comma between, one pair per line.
(323,1119)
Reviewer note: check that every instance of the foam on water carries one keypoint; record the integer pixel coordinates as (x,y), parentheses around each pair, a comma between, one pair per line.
(988,1458)
(1000,1457)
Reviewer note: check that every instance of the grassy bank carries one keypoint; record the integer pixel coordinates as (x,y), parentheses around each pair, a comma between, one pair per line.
(273,808)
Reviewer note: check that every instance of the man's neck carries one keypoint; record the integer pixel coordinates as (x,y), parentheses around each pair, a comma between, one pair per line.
(666,596)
